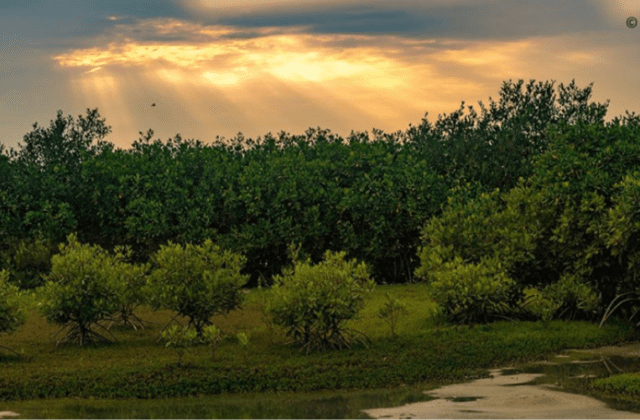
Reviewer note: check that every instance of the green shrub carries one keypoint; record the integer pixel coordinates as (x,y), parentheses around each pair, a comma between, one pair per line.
(243,340)
(505,226)
(623,384)
(197,282)
(12,314)
(571,227)
(472,293)
(179,339)
(541,306)
(212,335)
(31,261)
(622,237)
(313,303)
(572,298)
(82,289)
(134,277)
(391,311)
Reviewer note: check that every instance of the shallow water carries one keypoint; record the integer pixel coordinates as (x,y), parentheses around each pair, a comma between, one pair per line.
(543,390)
(563,372)
(568,373)
(335,405)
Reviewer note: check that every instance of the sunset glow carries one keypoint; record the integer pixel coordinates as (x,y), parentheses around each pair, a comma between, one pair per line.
(258,67)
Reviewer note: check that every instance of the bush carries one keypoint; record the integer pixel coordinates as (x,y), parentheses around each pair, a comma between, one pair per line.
(197,282)
(31,261)
(212,336)
(472,293)
(12,315)
(179,339)
(134,277)
(82,289)
(503,226)
(573,299)
(314,302)
(391,311)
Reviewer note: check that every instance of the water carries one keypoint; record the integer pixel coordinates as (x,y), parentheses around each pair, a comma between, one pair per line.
(335,405)
(570,372)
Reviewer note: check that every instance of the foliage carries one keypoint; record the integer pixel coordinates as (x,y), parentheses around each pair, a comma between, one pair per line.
(497,148)
(46,182)
(82,289)
(581,175)
(480,254)
(623,224)
(31,261)
(391,311)
(66,142)
(621,236)
(501,225)
(368,194)
(541,306)
(212,335)
(243,340)
(12,313)
(179,339)
(474,292)
(572,298)
(134,277)
(555,231)
(626,384)
(313,303)
(197,282)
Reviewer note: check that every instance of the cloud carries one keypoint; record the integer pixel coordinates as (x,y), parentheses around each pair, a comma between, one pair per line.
(222,66)
(481,19)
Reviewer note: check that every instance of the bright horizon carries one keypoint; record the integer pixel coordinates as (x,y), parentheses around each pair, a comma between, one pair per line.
(216,68)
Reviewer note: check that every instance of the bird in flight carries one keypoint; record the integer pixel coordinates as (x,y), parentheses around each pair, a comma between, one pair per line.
(153,104)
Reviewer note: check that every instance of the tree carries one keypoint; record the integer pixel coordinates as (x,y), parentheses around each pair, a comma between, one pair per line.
(497,147)
(569,230)
(67,142)
(134,277)
(314,302)
(197,282)
(47,173)
(82,289)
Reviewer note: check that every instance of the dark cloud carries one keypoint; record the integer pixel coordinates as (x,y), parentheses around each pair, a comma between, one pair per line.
(480,20)
(66,8)
(73,22)
(363,20)
(77,19)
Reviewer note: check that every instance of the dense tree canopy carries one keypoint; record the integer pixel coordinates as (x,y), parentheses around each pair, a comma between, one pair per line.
(366,195)
(568,230)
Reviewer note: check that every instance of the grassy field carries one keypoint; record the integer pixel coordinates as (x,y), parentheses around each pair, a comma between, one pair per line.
(137,366)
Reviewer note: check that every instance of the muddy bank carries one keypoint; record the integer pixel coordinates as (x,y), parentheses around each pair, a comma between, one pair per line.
(503,396)
(516,395)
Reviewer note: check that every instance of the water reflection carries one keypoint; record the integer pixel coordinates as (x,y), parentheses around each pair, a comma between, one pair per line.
(335,405)
(572,372)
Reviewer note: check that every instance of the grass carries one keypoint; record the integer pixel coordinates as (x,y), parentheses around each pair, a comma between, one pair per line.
(623,386)
(136,366)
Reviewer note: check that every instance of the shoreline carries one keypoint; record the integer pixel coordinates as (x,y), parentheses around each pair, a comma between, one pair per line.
(497,397)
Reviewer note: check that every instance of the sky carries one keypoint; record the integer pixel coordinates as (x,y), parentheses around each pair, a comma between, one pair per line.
(223,67)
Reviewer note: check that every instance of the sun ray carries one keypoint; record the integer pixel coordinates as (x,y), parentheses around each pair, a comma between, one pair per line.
(291,78)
